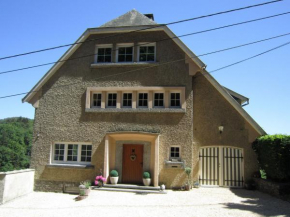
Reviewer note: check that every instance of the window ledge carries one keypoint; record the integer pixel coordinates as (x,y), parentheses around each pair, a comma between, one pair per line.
(136,110)
(102,65)
(80,166)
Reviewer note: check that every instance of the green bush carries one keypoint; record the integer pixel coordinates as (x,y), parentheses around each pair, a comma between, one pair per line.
(146,175)
(273,153)
(114,173)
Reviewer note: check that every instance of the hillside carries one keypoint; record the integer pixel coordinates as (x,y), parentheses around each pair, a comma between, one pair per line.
(15,143)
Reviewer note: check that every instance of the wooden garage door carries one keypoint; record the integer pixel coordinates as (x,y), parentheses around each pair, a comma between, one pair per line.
(221,166)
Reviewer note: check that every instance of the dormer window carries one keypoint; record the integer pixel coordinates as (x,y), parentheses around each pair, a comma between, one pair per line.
(125,52)
(103,54)
(147,52)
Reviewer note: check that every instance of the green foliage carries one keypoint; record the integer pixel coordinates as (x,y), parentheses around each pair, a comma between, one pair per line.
(114,173)
(15,143)
(146,175)
(87,184)
(187,170)
(273,153)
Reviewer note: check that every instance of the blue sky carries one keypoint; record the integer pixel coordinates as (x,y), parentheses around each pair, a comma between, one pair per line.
(30,25)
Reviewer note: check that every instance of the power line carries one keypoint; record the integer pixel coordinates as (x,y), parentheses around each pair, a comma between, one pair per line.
(171,23)
(252,57)
(185,35)
(174,61)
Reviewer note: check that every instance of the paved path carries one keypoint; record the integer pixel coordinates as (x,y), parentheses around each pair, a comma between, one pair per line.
(198,202)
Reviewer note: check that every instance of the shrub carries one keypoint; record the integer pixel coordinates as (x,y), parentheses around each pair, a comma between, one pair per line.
(273,153)
(146,175)
(87,184)
(114,173)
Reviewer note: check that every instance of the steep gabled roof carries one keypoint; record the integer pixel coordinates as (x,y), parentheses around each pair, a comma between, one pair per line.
(131,18)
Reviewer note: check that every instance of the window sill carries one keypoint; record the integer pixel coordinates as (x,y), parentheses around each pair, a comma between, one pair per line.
(137,110)
(125,64)
(80,166)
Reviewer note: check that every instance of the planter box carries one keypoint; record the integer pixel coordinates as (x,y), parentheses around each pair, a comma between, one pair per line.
(280,190)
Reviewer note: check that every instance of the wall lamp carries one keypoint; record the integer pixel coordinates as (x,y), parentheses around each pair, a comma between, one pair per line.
(221,129)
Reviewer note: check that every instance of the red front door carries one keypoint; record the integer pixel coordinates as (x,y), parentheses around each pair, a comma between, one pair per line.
(132,164)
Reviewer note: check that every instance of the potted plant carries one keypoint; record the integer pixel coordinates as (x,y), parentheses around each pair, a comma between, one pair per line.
(99,181)
(114,176)
(85,188)
(188,172)
(146,178)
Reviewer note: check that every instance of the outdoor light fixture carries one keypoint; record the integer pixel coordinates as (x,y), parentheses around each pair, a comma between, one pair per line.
(221,129)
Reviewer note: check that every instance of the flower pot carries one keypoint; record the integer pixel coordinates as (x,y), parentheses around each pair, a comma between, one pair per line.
(146,182)
(100,184)
(114,180)
(84,192)
(187,187)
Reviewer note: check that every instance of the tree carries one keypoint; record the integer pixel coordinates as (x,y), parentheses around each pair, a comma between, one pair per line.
(15,143)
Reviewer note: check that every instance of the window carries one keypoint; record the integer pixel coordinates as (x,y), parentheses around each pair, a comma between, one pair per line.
(125,53)
(158,99)
(59,152)
(174,152)
(72,153)
(143,100)
(97,100)
(112,100)
(86,153)
(147,53)
(175,99)
(127,99)
(104,54)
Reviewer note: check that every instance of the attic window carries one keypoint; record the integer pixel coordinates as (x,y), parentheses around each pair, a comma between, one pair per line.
(125,53)
(147,52)
(103,54)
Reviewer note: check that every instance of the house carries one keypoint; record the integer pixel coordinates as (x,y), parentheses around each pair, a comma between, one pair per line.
(142,102)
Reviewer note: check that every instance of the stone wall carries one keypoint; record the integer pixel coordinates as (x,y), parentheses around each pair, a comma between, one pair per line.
(280,190)
(15,184)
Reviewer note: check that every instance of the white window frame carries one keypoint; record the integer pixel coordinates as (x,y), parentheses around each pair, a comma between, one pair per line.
(65,161)
(123,100)
(103,46)
(92,100)
(124,45)
(146,44)
(137,102)
(175,158)
(154,99)
(107,100)
(180,95)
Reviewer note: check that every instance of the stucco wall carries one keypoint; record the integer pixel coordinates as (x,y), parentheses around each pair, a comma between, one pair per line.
(15,184)
(210,110)
(61,114)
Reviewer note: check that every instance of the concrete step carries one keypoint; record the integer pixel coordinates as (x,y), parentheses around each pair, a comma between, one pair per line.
(137,191)
(127,186)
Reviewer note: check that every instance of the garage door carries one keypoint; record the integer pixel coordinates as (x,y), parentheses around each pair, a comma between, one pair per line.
(221,166)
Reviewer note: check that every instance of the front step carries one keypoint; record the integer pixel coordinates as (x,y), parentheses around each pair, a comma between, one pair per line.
(130,188)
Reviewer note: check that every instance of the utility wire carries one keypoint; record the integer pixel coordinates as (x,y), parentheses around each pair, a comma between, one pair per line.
(169,62)
(171,23)
(185,35)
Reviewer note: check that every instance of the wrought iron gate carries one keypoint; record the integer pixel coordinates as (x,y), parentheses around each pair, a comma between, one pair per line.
(221,166)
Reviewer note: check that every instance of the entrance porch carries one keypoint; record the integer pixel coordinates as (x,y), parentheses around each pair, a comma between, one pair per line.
(142,151)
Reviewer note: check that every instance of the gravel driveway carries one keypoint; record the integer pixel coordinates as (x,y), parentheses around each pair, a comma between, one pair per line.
(198,202)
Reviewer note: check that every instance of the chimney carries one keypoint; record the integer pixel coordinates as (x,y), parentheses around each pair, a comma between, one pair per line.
(150,16)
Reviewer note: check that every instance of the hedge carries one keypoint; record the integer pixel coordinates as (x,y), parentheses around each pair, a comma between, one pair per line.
(273,152)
